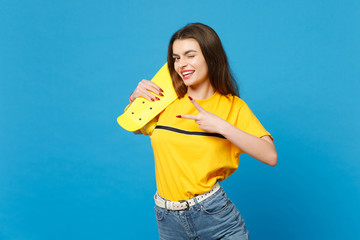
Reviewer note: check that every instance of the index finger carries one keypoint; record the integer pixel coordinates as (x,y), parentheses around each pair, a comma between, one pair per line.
(192,117)
(196,104)
(155,86)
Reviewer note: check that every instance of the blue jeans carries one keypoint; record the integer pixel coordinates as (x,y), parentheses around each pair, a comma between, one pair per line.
(214,218)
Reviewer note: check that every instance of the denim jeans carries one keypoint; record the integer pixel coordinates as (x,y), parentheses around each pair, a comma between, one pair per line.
(214,218)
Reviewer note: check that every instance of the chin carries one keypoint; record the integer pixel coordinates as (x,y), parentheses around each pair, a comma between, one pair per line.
(187,83)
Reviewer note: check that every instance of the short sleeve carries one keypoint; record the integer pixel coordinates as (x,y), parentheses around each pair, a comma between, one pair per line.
(247,122)
(149,127)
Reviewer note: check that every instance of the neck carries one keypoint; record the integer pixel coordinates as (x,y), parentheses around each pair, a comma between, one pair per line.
(201,93)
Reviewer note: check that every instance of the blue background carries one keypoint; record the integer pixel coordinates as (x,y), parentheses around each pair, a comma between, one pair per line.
(67,68)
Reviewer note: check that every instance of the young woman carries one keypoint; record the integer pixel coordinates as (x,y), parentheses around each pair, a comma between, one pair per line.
(199,138)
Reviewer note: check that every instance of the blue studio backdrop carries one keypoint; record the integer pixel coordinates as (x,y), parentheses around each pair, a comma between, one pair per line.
(67,68)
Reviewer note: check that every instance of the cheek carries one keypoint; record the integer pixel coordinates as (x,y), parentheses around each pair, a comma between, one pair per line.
(204,68)
(200,64)
(177,69)
(177,72)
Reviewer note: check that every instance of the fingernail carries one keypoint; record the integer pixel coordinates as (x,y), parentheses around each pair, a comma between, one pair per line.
(178,116)
(152,100)
(161,90)
(160,94)
(157,98)
(190,97)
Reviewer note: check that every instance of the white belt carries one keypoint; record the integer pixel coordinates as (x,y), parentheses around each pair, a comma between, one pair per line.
(184,204)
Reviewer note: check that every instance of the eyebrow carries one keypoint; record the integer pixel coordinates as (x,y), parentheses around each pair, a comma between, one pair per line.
(189,51)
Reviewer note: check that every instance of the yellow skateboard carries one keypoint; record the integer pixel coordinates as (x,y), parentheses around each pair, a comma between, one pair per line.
(142,111)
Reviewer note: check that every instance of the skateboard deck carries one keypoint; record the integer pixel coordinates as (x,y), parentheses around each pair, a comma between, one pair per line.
(141,111)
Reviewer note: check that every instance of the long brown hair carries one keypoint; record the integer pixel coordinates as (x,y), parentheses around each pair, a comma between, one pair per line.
(218,67)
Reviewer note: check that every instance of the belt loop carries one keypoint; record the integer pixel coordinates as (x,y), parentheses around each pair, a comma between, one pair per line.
(166,210)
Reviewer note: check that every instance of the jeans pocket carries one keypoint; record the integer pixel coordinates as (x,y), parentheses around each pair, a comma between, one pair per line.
(160,213)
(216,205)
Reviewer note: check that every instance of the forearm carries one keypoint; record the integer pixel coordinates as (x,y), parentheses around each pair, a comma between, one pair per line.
(258,148)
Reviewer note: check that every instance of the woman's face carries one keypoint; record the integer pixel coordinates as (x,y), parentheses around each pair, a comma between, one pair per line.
(189,62)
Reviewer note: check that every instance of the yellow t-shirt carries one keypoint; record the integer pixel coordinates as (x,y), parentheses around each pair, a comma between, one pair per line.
(188,160)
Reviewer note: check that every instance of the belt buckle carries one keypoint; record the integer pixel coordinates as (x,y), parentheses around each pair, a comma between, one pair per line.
(187,204)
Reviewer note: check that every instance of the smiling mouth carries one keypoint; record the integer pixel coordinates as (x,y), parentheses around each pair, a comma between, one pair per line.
(187,74)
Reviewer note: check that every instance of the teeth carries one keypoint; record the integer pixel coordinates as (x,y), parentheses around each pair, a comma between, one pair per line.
(187,73)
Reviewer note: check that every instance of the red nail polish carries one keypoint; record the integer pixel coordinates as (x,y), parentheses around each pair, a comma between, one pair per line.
(161,90)
(178,116)
(152,100)
(160,94)
(157,98)
(190,97)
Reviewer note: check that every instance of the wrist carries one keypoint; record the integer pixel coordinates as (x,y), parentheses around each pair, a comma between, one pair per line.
(224,127)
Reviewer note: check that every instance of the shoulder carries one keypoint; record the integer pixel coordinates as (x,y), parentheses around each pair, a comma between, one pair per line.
(234,101)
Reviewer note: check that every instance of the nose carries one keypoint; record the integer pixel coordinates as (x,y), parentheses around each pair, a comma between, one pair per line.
(182,63)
